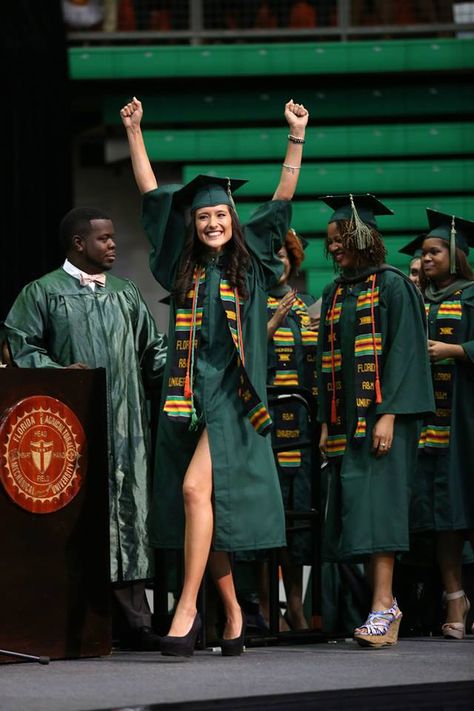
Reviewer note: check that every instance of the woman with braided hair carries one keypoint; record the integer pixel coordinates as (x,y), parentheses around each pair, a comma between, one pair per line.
(215,484)
(374,388)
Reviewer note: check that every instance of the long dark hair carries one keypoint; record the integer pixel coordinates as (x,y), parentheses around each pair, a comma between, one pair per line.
(463,269)
(236,261)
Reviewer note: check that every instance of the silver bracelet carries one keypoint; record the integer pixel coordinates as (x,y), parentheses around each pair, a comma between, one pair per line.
(291,168)
(295,139)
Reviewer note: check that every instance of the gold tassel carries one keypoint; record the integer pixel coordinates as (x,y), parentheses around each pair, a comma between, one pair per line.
(452,247)
(361,231)
(229,194)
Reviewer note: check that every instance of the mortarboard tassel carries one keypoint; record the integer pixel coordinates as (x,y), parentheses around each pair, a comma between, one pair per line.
(361,231)
(229,194)
(452,247)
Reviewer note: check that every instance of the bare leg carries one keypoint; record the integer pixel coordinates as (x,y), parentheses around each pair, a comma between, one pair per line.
(449,552)
(381,568)
(293,582)
(197,491)
(221,571)
(264,597)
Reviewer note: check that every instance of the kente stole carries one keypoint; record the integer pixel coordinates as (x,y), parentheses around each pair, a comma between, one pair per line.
(436,429)
(286,425)
(179,404)
(367,351)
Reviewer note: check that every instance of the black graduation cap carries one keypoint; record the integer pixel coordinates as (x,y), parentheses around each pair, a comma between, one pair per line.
(446,226)
(450,228)
(413,248)
(302,240)
(207,191)
(360,210)
(366,205)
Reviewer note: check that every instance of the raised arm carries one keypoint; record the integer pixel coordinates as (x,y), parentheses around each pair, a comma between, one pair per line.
(131,116)
(297,118)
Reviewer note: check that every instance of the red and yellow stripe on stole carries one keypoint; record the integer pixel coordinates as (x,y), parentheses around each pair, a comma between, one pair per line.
(259,418)
(286,377)
(437,436)
(364,344)
(450,309)
(361,428)
(334,314)
(309,338)
(178,406)
(283,336)
(336,445)
(184,319)
(327,360)
(364,300)
(227,292)
(422,440)
(289,459)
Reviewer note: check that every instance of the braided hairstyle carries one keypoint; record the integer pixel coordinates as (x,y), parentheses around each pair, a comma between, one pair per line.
(374,255)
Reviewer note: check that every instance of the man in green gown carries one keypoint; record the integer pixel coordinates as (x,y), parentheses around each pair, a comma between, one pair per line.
(80,317)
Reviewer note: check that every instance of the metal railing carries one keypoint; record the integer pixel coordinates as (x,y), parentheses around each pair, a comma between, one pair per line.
(204,21)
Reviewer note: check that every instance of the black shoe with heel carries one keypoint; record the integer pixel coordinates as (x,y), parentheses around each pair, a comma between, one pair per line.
(181,646)
(235,647)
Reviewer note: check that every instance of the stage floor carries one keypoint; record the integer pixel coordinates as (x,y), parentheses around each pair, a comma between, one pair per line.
(140,680)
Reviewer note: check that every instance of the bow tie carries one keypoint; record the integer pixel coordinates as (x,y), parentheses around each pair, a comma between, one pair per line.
(92,279)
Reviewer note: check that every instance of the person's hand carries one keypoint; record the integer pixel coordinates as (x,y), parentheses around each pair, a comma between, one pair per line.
(437,350)
(323,440)
(314,323)
(382,435)
(131,114)
(283,309)
(77,366)
(297,117)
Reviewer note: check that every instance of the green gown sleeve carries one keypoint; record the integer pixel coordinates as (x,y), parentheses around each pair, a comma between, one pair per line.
(406,375)
(264,234)
(150,344)
(165,227)
(26,329)
(468,308)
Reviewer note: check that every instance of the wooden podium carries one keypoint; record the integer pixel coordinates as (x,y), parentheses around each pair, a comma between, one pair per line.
(54,521)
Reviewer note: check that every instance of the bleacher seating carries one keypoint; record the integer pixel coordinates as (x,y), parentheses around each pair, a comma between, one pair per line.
(402,128)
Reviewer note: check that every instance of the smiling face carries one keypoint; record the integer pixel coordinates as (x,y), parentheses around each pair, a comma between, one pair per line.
(414,271)
(283,255)
(95,252)
(344,258)
(213,226)
(435,260)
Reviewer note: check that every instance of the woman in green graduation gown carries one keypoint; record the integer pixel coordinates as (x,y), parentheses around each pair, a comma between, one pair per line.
(443,492)
(374,388)
(216,484)
(292,339)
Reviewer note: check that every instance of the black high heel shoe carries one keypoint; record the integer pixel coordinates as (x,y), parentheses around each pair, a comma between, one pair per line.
(172,646)
(235,647)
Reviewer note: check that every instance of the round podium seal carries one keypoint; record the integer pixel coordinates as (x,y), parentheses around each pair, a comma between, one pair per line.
(43,454)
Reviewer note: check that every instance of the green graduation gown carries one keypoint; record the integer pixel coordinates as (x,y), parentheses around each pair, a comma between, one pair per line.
(247,501)
(367,506)
(55,322)
(296,484)
(443,494)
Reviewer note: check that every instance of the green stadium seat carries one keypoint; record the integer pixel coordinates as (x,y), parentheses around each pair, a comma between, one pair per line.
(278,59)
(383,177)
(310,216)
(321,142)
